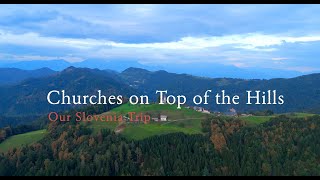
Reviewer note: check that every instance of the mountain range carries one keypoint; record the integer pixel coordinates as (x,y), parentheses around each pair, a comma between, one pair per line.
(29,96)
(204,69)
(301,93)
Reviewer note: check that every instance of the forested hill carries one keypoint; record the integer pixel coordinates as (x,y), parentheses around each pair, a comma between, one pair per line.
(284,146)
(13,75)
(30,96)
(300,94)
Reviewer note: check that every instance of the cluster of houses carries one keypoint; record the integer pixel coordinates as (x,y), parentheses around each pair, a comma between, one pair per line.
(230,112)
(199,109)
(164,118)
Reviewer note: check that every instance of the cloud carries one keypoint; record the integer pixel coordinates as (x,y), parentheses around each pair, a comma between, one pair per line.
(146,23)
(36,40)
(241,50)
(240,65)
(14,57)
(239,35)
(242,35)
(252,41)
(279,59)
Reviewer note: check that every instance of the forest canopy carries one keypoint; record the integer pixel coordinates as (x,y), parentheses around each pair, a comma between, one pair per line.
(282,146)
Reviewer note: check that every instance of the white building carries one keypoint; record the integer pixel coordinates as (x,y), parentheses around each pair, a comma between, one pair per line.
(205,111)
(163,118)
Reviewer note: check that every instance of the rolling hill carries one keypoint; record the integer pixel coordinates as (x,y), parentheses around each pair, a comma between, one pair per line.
(300,94)
(283,146)
(14,76)
(22,139)
(30,96)
(185,120)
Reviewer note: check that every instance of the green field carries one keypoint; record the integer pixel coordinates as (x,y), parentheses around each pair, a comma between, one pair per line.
(22,139)
(182,120)
(179,120)
(154,109)
(255,120)
(142,131)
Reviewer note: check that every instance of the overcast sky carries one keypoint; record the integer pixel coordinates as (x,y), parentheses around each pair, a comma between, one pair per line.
(272,36)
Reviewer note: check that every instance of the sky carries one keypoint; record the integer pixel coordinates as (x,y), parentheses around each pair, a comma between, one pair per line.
(283,37)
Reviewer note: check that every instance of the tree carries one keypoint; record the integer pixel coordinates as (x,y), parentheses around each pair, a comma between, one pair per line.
(205,172)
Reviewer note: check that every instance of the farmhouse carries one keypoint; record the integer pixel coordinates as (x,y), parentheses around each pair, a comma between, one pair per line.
(201,109)
(163,118)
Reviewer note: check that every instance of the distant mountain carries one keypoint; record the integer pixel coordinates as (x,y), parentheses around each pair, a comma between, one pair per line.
(300,94)
(115,64)
(14,75)
(59,65)
(30,96)
(56,65)
(213,70)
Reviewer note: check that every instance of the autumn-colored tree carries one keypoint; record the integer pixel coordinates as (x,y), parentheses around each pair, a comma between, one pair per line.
(219,141)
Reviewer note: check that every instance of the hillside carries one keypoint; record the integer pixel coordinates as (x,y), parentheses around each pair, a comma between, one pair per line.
(13,76)
(30,96)
(284,146)
(185,120)
(21,140)
(301,94)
